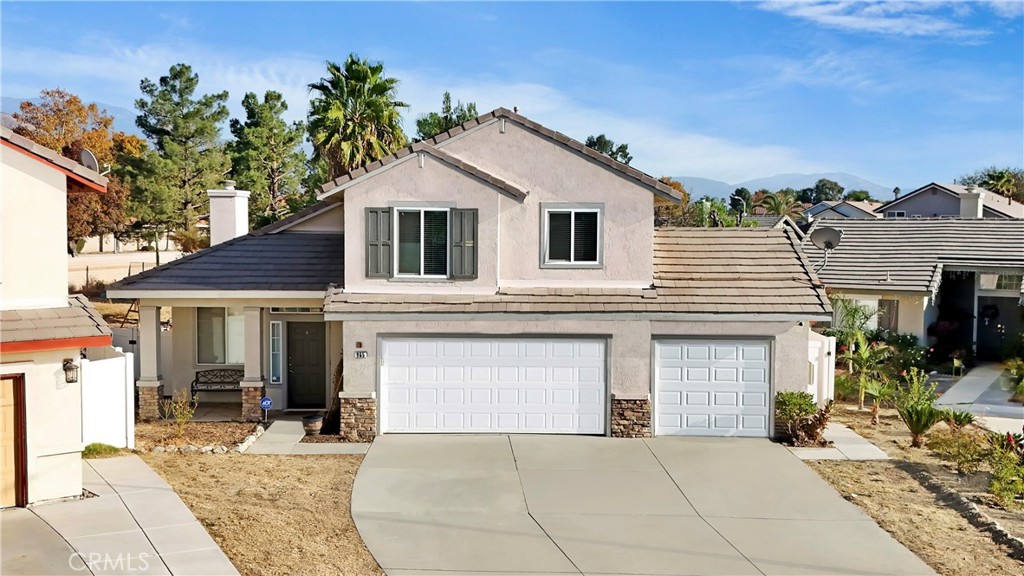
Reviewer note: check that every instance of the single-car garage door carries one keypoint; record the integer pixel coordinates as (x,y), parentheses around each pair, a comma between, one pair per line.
(712,387)
(502,385)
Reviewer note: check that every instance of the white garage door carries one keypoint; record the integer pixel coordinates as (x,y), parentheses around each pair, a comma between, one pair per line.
(712,388)
(506,385)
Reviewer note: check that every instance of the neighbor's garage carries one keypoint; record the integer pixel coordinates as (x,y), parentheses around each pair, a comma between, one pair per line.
(499,385)
(712,387)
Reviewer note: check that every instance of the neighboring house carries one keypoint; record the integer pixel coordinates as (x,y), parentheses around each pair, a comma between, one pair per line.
(842,209)
(44,331)
(946,201)
(500,277)
(950,282)
(773,221)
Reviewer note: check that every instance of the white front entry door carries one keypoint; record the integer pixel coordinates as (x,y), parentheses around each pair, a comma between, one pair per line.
(712,388)
(501,385)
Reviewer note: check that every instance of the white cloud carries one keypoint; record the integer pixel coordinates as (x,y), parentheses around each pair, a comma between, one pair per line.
(895,18)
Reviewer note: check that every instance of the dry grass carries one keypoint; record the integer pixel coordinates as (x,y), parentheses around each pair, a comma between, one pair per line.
(274,514)
(162,433)
(911,513)
(114,312)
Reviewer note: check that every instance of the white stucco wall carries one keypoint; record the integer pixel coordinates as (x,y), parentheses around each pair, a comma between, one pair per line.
(630,345)
(53,421)
(33,246)
(915,310)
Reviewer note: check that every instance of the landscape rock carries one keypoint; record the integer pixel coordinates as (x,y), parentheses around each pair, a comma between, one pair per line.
(158,449)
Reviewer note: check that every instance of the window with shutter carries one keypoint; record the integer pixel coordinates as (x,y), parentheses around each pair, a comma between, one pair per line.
(423,242)
(571,235)
(378,242)
(464,243)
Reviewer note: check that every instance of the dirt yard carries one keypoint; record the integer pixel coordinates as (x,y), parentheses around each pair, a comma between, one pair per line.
(273,514)
(114,312)
(150,434)
(911,513)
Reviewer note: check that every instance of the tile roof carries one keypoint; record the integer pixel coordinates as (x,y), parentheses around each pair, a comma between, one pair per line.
(764,220)
(52,157)
(431,143)
(697,271)
(992,201)
(287,261)
(909,255)
(76,320)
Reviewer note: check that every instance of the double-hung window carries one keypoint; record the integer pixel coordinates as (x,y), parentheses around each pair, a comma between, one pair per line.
(220,336)
(571,235)
(422,242)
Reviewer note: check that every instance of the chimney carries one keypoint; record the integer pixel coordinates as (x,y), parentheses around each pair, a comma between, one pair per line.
(972,203)
(229,213)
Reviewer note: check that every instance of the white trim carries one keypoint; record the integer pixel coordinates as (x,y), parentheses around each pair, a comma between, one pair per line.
(307,217)
(134,293)
(279,324)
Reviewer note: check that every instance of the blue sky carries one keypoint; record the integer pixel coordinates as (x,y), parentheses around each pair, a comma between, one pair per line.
(899,93)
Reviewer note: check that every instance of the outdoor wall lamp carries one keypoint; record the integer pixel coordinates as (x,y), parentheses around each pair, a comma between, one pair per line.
(70,371)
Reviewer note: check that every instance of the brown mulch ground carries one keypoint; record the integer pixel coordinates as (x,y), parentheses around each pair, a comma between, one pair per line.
(163,433)
(323,439)
(911,513)
(274,514)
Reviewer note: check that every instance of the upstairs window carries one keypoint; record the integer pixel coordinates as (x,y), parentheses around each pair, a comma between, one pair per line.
(896,214)
(422,242)
(572,235)
(429,243)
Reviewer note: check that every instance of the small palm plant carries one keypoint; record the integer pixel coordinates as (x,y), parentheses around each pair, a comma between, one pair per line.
(957,419)
(881,392)
(914,403)
(866,361)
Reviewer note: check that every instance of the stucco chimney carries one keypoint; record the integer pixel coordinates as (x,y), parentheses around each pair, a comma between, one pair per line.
(229,213)
(972,203)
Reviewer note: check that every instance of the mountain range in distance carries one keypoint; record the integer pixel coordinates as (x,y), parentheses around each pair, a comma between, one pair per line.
(699,187)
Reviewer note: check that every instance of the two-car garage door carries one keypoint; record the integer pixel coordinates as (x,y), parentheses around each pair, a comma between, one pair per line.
(503,385)
(549,385)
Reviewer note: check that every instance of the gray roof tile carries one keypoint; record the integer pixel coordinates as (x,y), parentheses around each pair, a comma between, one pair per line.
(77,320)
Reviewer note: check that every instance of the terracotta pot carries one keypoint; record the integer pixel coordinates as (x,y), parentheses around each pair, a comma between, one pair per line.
(312,425)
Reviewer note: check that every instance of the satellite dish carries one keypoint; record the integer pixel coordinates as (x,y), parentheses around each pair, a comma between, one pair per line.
(89,160)
(826,239)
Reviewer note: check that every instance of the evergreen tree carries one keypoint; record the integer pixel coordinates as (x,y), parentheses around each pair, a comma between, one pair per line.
(434,123)
(267,158)
(187,157)
(606,146)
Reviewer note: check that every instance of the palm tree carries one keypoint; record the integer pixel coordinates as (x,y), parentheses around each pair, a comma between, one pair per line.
(1001,182)
(354,115)
(780,204)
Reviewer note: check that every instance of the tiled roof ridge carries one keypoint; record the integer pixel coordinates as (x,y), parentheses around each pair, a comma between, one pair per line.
(607,161)
(124,282)
(51,156)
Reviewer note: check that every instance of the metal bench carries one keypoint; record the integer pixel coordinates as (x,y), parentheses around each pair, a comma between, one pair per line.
(218,380)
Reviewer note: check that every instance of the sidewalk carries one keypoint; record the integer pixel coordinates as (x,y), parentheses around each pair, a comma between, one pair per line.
(283,437)
(136,524)
(846,445)
(985,392)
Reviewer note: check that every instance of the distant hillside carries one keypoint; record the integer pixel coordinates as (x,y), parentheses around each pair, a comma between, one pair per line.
(124,118)
(698,186)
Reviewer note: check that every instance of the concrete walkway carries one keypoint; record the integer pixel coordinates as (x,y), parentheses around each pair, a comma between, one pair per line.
(430,504)
(985,392)
(846,445)
(135,525)
(283,437)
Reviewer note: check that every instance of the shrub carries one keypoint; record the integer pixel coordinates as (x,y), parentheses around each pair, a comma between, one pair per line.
(915,389)
(180,409)
(957,419)
(880,392)
(845,386)
(1007,484)
(919,418)
(805,422)
(100,450)
(964,449)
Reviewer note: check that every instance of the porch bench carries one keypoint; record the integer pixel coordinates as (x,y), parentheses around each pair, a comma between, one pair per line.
(217,380)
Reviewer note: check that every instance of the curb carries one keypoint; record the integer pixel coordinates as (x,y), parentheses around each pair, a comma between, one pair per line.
(245,444)
(970,512)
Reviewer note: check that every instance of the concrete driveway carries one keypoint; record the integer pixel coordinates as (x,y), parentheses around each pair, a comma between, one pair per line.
(586,505)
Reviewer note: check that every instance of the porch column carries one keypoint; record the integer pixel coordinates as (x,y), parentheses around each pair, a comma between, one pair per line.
(252,383)
(151,387)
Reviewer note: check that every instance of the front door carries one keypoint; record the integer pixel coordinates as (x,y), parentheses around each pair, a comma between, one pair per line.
(999,323)
(12,443)
(307,365)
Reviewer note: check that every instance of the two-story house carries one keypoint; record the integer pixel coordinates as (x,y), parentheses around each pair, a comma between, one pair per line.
(500,277)
(951,201)
(42,329)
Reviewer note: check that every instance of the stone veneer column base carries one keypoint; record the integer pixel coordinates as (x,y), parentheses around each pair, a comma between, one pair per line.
(631,417)
(358,415)
(149,401)
(251,396)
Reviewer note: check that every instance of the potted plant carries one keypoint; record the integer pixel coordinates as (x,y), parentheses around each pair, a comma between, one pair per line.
(312,424)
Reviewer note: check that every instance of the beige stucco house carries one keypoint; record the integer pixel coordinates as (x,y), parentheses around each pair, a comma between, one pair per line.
(42,329)
(500,277)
